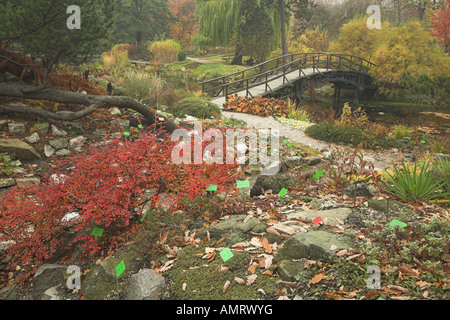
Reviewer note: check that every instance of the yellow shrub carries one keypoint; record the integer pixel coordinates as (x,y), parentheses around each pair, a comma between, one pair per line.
(164,51)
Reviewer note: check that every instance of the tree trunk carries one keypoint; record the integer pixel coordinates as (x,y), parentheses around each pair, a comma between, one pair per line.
(284,46)
(91,101)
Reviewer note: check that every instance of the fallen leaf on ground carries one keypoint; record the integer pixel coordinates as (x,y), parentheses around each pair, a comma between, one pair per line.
(251,279)
(267,247)
(317,278)
(227,284)
(239,280)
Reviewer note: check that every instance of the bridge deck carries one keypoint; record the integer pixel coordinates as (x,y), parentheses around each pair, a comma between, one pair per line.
(274,84)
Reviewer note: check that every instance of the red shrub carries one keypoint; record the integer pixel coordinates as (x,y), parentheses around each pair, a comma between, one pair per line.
(104,187)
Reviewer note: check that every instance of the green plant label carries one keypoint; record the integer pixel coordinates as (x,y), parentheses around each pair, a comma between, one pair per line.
(421,163)
(226,254)
(120,268)
(423,141)
(319,174)
(396,222)
(98,232)
(289,145)
(243,184)
(140,126)
(284,141)
(282,192)
(344,175)
(143,217)
(211,188)
(126,133)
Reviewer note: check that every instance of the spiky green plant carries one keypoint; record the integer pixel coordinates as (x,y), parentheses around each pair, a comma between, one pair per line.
(413,183)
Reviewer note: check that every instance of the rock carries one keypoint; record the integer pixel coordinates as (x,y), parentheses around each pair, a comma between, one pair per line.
(51,294)
(332,215)
(20,149)
(34,138)
(102,279)
(16,128)
(291,162)
(358,189)
(120,124)
(9,293)
(313,245)
(9,77)
(442,156)
(381,205)
(48,151)
(271,182)
(291,270)
(234,229)
(47,276)
(70,216)
(63,152)
(311,160)
(409,157)
(58,132)
(145,285)
(7,182)
(59,143)
(41,127)
(3,125)
(115,111)
(77,142)
(27,181)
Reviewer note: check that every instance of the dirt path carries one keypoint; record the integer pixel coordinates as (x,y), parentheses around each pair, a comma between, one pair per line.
(380,160)
(202,61)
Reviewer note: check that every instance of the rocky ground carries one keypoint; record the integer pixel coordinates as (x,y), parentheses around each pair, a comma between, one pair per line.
(276,247)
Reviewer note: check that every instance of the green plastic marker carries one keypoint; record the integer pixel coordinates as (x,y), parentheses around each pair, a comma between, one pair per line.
(243,184)
(282,192)
(344,175)
(98,232)
(140,126)
(289,145)
(226,254)
(284,141)
(319,174)
(143,217)
(396,222)
(126,133)
(421,163)
(423,141)
(211,188)
(120,268)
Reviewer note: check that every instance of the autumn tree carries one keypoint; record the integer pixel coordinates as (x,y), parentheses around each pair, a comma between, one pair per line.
(441,26)
(185,23)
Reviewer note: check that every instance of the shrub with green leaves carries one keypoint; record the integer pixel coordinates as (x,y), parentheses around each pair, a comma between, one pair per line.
(400,132)
(413,183)
(195,107)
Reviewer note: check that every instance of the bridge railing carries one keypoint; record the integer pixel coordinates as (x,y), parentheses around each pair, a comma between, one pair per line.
(280,67)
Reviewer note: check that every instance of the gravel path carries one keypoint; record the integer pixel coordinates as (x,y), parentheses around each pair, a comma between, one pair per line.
(380,160)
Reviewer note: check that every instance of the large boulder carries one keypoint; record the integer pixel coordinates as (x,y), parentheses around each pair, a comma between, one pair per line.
(20,149)
(145,285)
(332,216)
(234,229)
(274,182)
(314,244)
(47,276)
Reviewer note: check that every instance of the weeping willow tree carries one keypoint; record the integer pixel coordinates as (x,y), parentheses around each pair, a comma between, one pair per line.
(219,22)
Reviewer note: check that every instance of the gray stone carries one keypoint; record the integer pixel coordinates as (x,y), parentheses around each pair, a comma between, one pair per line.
(442,156)
(381,205)
(51,294)
(59,143)
(47,276)
(115,111)
(291,270)
(234,229)
(41,127)
(313,245)
(34,138)
(58,132)
(63,152)
(7,182)
(272,182)
(311,160)
(77,142)
(103,278)
(9,77)
(358,189)
(20,149)
(27,181)
(9,293)
(16,128)
(145,285)
(48,151)
(332,215)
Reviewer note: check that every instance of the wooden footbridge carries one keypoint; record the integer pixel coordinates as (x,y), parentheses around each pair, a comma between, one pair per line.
(289,76)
